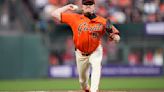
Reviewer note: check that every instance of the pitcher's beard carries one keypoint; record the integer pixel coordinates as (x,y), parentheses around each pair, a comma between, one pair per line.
(90,15)
(87,14)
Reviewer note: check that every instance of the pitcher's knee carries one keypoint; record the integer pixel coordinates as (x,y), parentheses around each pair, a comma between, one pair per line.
(97,66)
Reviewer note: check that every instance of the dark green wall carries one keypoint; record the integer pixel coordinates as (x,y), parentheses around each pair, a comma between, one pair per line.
(23,56)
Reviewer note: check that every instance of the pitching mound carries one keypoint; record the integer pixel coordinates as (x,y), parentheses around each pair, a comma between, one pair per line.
(104,91)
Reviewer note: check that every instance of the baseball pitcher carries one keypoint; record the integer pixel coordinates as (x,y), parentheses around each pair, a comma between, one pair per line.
(88,29)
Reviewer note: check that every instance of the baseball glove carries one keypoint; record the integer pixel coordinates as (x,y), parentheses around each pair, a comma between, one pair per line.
(110,30)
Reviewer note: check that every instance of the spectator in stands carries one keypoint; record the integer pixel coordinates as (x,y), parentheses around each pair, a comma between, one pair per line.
(4,14)
(53,59)
(68,56)
(102,11)
(148,58)
(112,51)
(158,57)
(133,58)
(161,12)
(4,18)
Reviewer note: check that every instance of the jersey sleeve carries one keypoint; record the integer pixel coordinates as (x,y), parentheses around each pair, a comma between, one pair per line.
(67,18)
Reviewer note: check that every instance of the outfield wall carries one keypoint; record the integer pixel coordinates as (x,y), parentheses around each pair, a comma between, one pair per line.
(22,56)
(67,71)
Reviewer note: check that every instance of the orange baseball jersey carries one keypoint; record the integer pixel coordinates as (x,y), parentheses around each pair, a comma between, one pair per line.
(87,33)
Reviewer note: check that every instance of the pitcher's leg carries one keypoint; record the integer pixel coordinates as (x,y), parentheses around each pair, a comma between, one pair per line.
(83,68)
(95,77)
(95,60)
(84,77)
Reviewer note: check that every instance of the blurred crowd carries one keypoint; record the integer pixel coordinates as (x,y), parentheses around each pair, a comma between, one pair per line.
(118,11)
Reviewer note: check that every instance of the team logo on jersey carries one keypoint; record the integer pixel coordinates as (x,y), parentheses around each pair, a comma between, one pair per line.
(85,27)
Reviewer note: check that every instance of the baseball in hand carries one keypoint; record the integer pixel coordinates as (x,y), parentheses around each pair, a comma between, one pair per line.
(74,7)
(116,38)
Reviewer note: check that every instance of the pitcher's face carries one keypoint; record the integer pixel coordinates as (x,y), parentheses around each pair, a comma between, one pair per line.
(88,8)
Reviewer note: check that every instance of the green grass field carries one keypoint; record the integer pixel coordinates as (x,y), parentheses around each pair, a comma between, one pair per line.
(119,83)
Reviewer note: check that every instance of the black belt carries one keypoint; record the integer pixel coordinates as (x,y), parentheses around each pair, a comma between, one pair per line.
(84,54)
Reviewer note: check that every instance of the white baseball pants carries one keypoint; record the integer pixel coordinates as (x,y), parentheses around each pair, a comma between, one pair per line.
(83,67)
